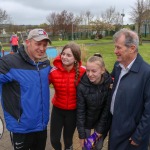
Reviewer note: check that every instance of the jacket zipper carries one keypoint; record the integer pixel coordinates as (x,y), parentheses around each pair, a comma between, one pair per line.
(68,89)
(19,115)
(37,66)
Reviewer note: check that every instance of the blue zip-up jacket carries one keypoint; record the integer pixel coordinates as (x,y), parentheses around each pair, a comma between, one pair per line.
(24,92)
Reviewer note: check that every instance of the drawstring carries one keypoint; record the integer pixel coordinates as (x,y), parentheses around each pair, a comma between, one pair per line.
(11,138)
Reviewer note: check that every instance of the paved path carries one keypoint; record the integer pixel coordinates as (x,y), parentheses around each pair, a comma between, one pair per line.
(5,143)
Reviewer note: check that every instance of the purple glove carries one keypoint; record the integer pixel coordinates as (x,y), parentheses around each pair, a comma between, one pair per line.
(90,141)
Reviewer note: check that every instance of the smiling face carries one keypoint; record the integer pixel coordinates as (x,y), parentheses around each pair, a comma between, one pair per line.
(125,54)
(94,71)
(36,49)
(67,58)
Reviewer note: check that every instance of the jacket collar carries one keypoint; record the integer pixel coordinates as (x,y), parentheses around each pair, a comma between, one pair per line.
(136,65)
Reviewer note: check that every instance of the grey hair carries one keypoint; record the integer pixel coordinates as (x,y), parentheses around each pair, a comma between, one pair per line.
(131,37)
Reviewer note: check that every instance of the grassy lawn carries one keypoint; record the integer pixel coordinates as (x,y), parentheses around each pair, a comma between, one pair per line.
(62,43)
(107,51)
(103,46)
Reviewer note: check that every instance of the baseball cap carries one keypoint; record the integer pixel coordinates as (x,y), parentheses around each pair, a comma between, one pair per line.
(38,35)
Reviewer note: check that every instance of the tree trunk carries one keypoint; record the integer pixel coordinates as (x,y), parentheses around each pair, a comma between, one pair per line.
(140,40)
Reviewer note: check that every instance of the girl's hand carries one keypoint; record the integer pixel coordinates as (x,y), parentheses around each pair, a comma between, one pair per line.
(99,135)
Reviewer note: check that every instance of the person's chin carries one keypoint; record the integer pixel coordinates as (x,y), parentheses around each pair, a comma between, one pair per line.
(92,81)
(118,58)
(66,63)
(41,55)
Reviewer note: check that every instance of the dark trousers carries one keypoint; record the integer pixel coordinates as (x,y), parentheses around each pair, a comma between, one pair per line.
(14,48)
(62,120)
(30,141)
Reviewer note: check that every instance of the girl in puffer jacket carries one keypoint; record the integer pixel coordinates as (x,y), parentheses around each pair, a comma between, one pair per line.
(93,102)
(65,76)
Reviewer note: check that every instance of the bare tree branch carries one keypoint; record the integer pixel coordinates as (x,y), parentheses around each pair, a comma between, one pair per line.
(3,16)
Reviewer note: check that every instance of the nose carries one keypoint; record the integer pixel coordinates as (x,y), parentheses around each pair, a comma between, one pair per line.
(64,55)
(89,73)
(42,48)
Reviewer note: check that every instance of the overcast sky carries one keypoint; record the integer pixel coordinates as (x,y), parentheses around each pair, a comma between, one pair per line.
(34,12)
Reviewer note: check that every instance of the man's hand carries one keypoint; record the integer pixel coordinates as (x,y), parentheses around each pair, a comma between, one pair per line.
(132,142)
(99,135)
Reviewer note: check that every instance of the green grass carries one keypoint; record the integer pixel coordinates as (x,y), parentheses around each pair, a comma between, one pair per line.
(62,43)
(6,48)
(107,51)
(106,48)
(103,46)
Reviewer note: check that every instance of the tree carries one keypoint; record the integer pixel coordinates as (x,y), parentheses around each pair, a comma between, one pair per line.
(147,10)
(138,15)
(110,16)
(4,17)
(89,16)
(63,23)
(100,26)
(52,21)
(112,19)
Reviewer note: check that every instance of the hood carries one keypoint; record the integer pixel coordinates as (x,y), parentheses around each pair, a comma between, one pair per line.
(106,79)
(58,63)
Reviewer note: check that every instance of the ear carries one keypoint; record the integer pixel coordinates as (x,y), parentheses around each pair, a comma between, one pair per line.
(27,42)
(103,70)
(132,48)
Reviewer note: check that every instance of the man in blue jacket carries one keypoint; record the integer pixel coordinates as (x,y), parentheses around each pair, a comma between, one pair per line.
(25,92)
(130,104)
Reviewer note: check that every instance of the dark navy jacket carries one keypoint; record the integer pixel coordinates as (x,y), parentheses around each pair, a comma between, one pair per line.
(24,92)
(131,117)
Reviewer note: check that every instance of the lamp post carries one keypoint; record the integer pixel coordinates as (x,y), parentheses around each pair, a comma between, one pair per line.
(72,31)
(122,17)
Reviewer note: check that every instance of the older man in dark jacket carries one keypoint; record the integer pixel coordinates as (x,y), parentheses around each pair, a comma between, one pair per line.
(130,104)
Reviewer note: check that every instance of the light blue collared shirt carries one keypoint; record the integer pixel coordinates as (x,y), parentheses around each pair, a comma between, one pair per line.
(123,72)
